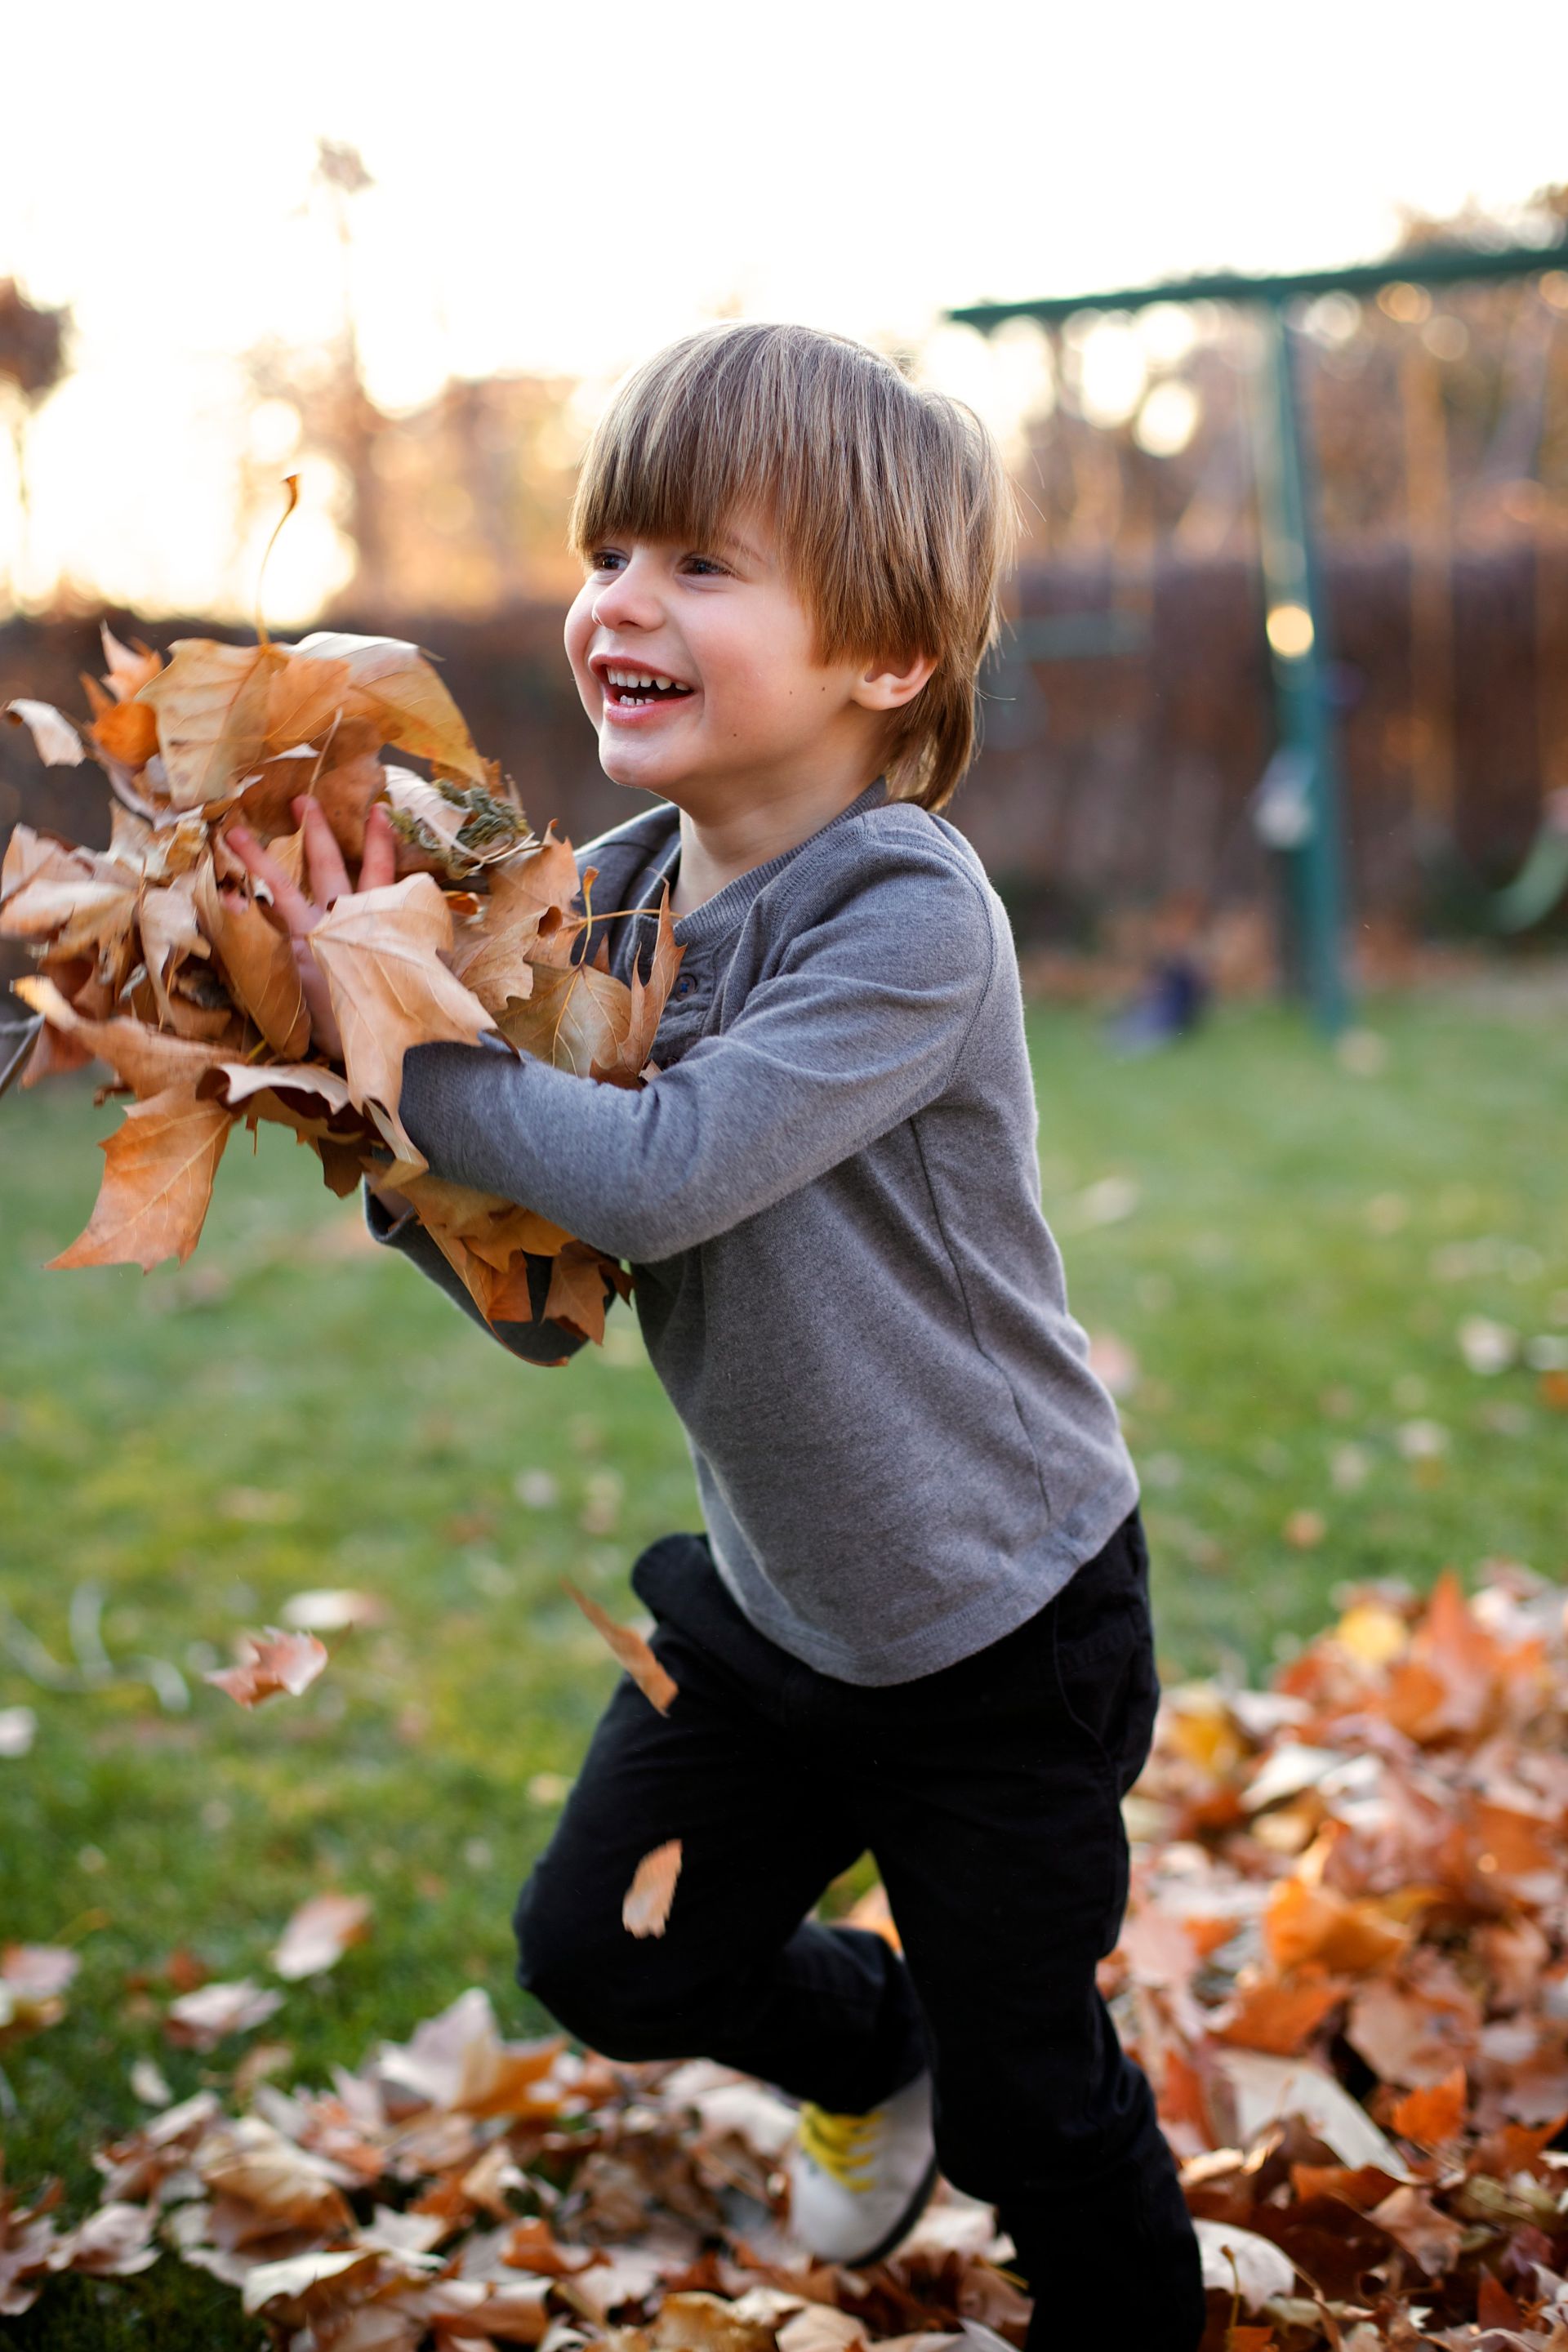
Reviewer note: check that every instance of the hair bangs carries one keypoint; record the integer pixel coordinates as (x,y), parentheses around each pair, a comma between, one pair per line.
(891,511)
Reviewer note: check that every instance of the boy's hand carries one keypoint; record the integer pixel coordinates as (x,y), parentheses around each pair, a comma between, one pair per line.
(329,881)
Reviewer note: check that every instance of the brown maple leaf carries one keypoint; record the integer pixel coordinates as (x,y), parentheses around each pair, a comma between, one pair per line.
(201,2020)
(276,1662)
(211,705)
(260,962)
(646,1909)
(573,1017)
(156,1184)
(145,1059)
(381,953)
(630,1649)
(54,739)
(576,1296)
(392,686)
(649,998)
(318,1933)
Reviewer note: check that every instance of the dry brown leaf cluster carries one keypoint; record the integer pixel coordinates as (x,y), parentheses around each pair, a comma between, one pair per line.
(160,957)
(1345,1970)
(1344,1967)
(460,2190)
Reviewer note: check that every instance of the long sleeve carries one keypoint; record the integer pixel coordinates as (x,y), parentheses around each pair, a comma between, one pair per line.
(859,1023)
(538,1342)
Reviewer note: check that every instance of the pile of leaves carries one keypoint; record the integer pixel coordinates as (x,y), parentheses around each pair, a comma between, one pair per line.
(161,957)
(460,2190)
(1345,1970)
(1344,1967)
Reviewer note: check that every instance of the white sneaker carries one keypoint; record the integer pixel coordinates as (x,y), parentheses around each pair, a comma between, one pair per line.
(859,2183)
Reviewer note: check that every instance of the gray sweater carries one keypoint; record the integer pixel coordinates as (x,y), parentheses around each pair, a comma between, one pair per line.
(829,1197)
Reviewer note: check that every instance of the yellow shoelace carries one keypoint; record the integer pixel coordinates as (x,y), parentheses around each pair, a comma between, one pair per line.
(839,2144)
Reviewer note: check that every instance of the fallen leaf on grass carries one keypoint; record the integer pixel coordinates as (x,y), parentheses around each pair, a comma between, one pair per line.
(1240,2262)
(277,1662)
(332,1611)
(32,1979)
(201,2020)
(633,1652)
(19,1729)
(320,1933)
(1266,2089)
(645,1910)
(116,2242)
(147,2082)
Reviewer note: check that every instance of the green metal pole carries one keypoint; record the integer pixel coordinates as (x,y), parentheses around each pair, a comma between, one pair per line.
(1294,603)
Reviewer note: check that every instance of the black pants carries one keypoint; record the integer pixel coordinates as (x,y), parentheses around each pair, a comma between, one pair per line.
(989,1794)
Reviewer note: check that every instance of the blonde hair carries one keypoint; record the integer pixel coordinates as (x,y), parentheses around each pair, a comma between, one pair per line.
(893,514)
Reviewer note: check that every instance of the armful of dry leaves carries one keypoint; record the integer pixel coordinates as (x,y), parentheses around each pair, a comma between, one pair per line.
(163,957)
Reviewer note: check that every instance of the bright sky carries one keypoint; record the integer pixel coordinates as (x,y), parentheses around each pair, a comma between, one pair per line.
(562,189)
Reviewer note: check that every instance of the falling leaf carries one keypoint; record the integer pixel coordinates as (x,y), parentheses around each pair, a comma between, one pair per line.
(156,1184)
(276,1662)
(55,740)
(646,1909)
(380,951)
(320,1933)
(630,1650)
(201,2020)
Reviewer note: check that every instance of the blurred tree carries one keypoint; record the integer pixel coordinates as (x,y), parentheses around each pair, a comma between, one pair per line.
(32,362)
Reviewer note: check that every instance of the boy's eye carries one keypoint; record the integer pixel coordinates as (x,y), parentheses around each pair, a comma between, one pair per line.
(605,559)
(704,563)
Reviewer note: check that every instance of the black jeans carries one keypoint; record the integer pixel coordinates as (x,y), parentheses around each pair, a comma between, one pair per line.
(989,1794)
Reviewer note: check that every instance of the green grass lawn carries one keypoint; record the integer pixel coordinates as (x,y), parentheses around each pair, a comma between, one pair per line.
(1287,1248)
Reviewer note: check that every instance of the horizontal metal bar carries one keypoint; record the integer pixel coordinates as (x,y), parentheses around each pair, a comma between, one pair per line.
(1438,265)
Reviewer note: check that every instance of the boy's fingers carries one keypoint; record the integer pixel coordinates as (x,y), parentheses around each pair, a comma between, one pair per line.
(378,867)
(290,900)
(329,874)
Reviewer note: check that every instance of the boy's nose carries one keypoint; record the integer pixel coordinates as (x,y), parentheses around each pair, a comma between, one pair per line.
(628,600)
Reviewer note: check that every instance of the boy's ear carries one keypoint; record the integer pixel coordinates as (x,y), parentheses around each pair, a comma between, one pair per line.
(885,685)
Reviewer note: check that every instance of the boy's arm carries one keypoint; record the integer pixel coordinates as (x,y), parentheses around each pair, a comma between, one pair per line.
(862,1024)
(538,1342)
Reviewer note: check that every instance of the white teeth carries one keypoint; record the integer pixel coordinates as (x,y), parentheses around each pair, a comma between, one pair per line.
(644,679)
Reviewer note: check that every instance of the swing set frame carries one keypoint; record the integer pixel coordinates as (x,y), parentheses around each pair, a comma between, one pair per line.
(1304,775)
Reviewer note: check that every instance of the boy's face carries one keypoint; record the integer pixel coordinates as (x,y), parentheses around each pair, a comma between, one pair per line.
(739,704)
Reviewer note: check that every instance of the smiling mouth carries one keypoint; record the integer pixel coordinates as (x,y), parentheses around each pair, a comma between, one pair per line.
(631,690)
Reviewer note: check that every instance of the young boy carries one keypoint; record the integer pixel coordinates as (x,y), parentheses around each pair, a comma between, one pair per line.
(918,1622)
